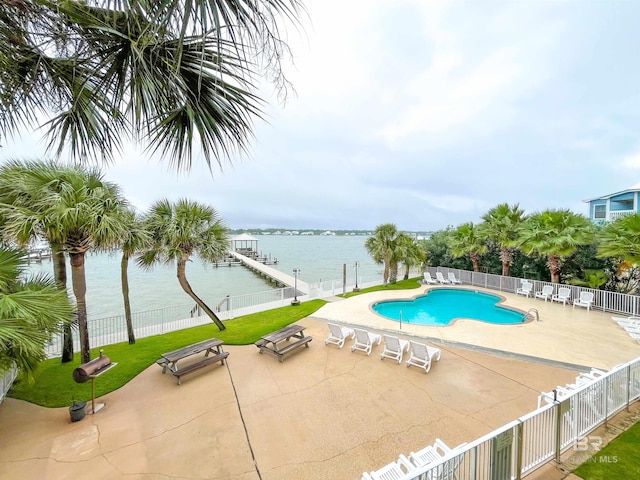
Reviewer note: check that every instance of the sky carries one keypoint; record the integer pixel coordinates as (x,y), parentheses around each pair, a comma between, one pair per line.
(425,114)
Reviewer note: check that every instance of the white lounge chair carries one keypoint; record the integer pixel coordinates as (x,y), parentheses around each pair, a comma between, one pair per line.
(434,453)
(422,355)
(393,471)
(585,300)
(453,279)
(545,293)
(364,341)
(428,279)
(394,348)
(627,321)
(441,278)
(525,289)
(563,295)
(338,334)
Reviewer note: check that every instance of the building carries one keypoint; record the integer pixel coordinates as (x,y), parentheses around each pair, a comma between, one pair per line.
(608,208)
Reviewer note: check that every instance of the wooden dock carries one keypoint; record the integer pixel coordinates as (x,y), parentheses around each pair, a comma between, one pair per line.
(274,275)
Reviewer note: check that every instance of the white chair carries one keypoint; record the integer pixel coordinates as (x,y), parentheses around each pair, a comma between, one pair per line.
(434,453)
(393,471)
(364,341)
(627,321)
(441,278)
(428,279)
(422,355)
(394,348)
(453,279)
(338,334)
(545,293)
(425,456)
(525,289)
(563,295)
(585,300)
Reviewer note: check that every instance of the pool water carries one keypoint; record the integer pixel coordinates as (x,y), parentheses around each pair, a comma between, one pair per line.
(443,305)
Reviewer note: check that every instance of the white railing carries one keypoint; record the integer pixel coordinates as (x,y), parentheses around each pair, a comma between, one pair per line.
(519,447)
(603,300)
(6,380)
(615,215)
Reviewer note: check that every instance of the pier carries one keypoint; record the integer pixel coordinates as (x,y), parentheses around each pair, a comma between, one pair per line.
(274,275)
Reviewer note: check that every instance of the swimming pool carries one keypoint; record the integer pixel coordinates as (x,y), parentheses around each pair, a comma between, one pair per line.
(441,306)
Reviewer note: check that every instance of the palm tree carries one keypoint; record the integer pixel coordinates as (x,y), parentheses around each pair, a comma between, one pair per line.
(180,230)
(382,245)
(501,226)
(168,72)
(135,239)
(31,311)
(410,253)
(621,239)
(21,185)
(466,240)
(555,234)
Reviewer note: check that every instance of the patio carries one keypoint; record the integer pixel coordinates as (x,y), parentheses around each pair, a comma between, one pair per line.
(323,413)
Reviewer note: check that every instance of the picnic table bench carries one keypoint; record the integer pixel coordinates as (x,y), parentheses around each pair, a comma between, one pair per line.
(169,361)
(272,343)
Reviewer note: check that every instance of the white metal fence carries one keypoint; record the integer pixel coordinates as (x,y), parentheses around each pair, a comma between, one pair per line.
(603,300)
(519,447)
(6,380)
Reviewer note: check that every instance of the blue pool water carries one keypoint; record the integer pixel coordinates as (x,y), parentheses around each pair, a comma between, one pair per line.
(441,306)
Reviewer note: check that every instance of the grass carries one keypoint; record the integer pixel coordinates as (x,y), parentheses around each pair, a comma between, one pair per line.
(620,459)
(54,385)
(399,285)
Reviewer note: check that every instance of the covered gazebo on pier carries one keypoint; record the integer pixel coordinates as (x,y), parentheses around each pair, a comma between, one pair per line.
(245,244)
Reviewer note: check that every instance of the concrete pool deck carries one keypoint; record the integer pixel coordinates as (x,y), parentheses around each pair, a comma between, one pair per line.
(324,413)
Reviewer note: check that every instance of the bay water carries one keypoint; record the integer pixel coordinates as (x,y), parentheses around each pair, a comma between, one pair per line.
(319,258)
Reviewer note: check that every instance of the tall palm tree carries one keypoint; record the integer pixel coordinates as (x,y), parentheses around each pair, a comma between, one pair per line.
(382,245)
(555,234)
(31,311)
(502,226)
(621,239)
(168,72)
(22,183)
(135,240)
(180,230)
(410,253)
(466,240)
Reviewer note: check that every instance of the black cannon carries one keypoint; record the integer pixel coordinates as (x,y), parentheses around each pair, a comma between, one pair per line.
(92,368)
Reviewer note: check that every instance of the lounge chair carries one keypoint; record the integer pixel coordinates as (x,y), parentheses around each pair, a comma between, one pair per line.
(428,279)
(422,355)
(525,289)
(434,453)
(453,279)
(441,278)
(563,295)
(393,471)
(585,300)
(364,341)
(545,293)
(627,321)
(394,348)
(338,334)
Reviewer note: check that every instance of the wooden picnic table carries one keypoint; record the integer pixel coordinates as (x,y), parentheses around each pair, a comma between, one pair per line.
(273,342)
(169,360)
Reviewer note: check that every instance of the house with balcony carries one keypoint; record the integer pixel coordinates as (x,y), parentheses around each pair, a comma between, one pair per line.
(609,208)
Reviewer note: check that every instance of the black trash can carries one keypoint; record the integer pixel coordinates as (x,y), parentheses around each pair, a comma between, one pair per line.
(77,411)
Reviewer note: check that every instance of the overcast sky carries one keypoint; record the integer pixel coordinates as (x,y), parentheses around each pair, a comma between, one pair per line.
(427,114)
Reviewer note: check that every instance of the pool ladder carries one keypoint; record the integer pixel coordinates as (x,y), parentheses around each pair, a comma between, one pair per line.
(533,312)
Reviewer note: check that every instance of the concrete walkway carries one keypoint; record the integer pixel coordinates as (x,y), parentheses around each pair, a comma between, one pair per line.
(323,413)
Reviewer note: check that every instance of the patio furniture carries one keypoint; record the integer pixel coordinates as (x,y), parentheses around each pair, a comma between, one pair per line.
(364,341)
(441,278)
(563,295)
(545,293)
(434,453)
(428,279)
(169,361)
(422,355)
(393,471)
(338,334)
(585,300)
(272,343)
(453,279)
(394,348)
(525,289)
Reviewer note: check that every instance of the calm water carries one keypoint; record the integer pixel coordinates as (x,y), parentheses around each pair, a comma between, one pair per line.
(441,306)
(319,258)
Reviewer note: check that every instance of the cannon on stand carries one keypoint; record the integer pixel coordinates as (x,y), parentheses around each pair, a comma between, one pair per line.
(91,370)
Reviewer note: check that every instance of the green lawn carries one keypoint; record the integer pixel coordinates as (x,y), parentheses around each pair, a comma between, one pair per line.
(619,460)
(54,385)
(399,285)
